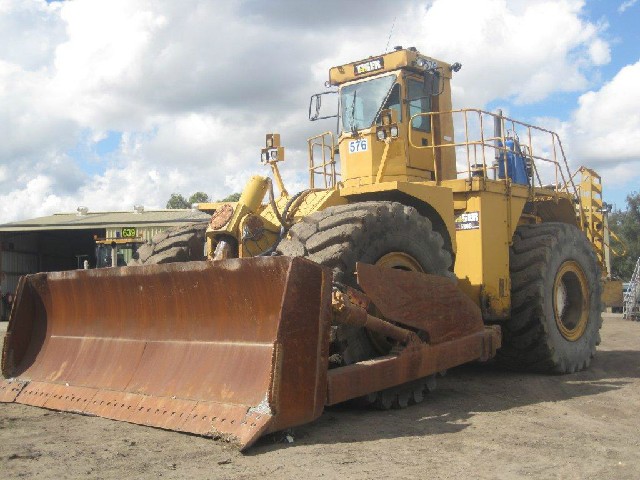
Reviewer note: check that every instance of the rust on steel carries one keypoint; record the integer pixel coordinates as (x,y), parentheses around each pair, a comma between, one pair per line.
(221,216)
(354,315)
(230,349)
(409,364)
(430,303)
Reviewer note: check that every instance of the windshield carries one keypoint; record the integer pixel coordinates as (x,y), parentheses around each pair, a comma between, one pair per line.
(361,101)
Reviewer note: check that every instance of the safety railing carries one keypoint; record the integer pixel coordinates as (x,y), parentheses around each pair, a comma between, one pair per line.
(322,161)
(487,141)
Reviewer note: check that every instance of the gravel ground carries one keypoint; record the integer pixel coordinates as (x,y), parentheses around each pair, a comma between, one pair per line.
(481,423)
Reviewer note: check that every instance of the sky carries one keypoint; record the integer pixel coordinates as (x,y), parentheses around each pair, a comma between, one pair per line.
(114,103)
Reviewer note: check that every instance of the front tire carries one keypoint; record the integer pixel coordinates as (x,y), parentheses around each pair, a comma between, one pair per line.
(555,300)
(383,233)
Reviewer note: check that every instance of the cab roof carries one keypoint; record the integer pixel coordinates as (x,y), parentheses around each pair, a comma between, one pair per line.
(400,58)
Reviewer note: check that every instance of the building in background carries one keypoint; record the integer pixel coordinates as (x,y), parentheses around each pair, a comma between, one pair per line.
(64,241)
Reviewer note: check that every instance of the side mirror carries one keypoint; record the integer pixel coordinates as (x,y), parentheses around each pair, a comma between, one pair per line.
(315,107)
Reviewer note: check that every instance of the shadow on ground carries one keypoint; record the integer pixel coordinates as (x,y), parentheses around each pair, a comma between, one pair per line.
(462,393)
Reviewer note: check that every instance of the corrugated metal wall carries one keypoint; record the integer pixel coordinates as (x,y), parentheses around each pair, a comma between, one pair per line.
(15,264)
(54,249)
(18,258)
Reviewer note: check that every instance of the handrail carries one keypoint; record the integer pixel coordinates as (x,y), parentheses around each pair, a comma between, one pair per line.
(476,147)
(326,169)
(617,253)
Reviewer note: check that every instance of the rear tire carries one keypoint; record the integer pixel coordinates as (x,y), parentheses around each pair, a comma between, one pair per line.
(555,300)
(384,233)
(178,244)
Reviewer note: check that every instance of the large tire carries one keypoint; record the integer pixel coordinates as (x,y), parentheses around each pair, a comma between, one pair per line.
(555,300)
(178,244)
(372,232)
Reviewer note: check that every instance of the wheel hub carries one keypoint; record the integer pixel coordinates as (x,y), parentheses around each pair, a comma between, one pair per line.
(401,261)
(571,300)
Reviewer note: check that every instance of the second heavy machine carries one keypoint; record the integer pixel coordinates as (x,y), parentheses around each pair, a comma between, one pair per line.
(411,252)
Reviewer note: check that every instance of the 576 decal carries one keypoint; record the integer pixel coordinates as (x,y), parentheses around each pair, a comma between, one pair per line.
(360,145)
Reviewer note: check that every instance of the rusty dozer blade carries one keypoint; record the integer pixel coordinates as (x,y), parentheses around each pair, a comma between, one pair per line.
(232,349)
(431,303)
(437,326)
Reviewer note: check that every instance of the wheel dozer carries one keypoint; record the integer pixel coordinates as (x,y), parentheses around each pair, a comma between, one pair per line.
(411,252)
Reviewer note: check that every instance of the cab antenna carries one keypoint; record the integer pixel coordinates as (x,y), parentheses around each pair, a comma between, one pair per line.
(390,32)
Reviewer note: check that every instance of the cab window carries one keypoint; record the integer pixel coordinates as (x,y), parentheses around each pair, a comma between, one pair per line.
(418,103)
(360,101)
(393,102)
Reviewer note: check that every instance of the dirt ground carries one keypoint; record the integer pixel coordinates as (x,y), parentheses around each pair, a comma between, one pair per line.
(480,423)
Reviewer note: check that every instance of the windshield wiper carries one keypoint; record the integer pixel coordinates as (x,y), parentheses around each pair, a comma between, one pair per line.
(352,123)
(384,102)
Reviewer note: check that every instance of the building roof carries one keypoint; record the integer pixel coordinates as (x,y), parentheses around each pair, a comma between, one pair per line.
(90,220)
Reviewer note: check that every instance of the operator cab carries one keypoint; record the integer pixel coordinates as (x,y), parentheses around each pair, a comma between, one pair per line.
(399,90)
(362,102)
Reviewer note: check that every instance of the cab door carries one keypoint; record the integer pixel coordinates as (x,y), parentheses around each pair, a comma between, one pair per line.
(420,100)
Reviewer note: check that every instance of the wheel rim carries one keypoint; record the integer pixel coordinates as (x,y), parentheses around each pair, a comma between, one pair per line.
(571,300)
(400,261)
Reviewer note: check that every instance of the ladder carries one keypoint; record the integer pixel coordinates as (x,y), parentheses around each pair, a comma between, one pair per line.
(593,213)
(632,295)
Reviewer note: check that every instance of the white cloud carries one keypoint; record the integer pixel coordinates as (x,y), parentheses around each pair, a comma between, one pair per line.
(521,51)
(626,5)
(599,52)
(35,198)
(193,86)
(30,31)
(606,125)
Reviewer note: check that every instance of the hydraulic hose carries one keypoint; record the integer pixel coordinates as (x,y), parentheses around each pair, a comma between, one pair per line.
(285,225)
(272,202)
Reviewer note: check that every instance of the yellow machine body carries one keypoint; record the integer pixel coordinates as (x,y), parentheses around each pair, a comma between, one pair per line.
(415,163)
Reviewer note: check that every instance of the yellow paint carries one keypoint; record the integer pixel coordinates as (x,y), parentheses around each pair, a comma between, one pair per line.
(417,168)
(438,198)
(250,202)
(403,160)
(571,318)
(593,222)
(612,294)
(383,162)
(391,61)
(482,259)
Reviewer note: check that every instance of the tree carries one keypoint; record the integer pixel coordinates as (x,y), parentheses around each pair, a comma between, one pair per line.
(177,201)
(626,224)
(234,197)
(199,197)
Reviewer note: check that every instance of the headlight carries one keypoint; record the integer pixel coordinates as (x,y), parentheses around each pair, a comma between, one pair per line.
(394,131)
(380,134)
